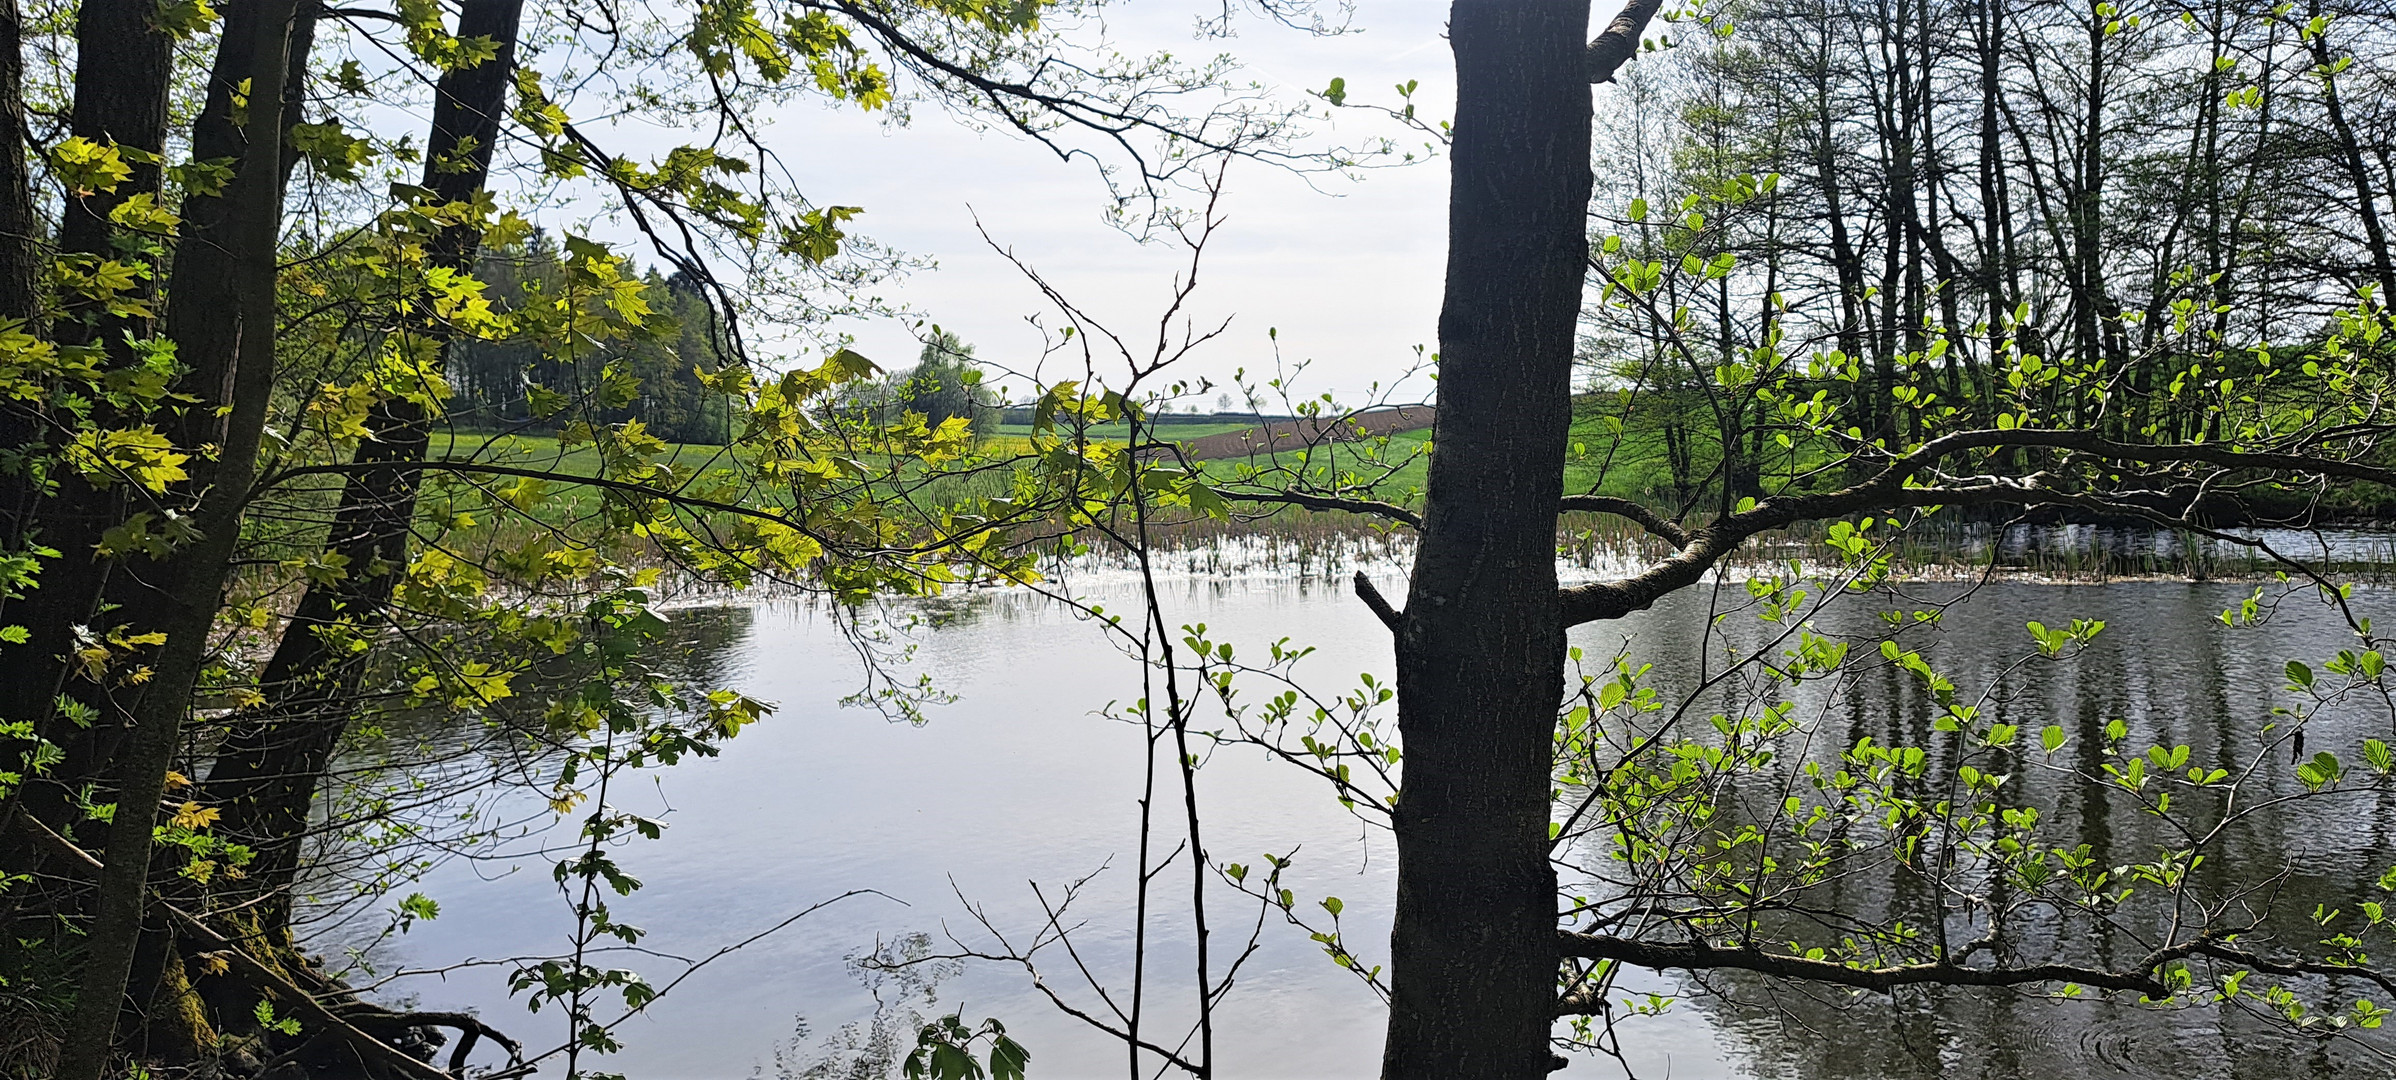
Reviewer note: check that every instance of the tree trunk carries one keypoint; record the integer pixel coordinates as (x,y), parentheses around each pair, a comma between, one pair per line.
(267,770)
(2089,306)
(20,269)
(20,231)
(121,70)
(1996,210)
(2350,155)
(1480,650)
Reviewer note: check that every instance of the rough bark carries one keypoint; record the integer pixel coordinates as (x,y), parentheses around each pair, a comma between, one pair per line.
(21,249)
(21,237)
(1620,40)
(121,70)
(122,65)
(1480,650)
(120,85)
(21,244)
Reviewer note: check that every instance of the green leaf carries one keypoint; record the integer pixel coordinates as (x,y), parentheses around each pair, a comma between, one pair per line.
(2324,769)
(1008,1058)
(419,906)
(848,364)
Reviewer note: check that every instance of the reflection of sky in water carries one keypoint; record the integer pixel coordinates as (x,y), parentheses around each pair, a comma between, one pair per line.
(1020,780)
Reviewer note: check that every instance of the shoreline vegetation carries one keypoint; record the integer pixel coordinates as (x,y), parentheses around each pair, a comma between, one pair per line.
(1379,455)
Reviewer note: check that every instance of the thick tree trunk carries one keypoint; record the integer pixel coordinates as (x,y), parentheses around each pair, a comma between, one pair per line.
(1480,648)
(121,68)
(21,244)
(267,771)
(122,64)
(21,239)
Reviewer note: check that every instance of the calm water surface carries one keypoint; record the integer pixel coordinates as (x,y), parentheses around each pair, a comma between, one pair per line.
(1021,780)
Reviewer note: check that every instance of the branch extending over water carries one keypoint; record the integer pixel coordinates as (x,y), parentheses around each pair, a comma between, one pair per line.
(2143,979)
(1895,486)
(1700,956)
(1663,528)
(1373,507)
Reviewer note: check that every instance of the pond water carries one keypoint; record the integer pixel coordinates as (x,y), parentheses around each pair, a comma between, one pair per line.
(1020,780)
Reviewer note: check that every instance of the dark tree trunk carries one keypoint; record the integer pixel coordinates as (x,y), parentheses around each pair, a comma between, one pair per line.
(121,70)
(1480,649)
(20,231)
(20,268)
(2350,155)
(2087,211)
(267,770)
(1997,269)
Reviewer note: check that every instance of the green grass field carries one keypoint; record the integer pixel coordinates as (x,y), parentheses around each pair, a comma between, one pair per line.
(1119,432)
(539,451)
(1633,465)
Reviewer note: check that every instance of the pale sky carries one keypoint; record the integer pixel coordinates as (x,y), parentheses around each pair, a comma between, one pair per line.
(1349,274)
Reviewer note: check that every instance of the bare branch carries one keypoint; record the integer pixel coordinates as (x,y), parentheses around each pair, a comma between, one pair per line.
(1699,956)
(1665,529)
(1389,616)
(1374,507)
(1894,486)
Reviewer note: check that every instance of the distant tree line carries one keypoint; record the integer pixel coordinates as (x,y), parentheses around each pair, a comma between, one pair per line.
(495,383)
(1953,201)
(945,383)
(948,381)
